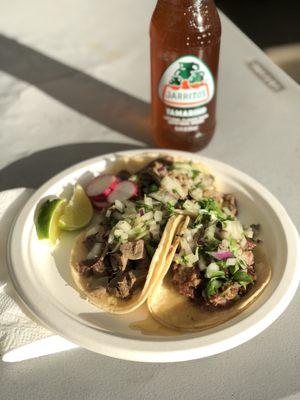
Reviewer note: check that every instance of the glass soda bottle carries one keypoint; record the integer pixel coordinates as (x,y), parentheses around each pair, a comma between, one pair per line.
(185,46)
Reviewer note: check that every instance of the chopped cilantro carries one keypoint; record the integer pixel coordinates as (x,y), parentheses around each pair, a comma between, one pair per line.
(209,205)
(195,173)
(233,269)
(212,206)
(242,277)
(185,259)
(212,287)
(150,249)
(221,263)
(233,245)
(153,188)
(205,220)
(211,245)
(134,178)
(170,208)
(113,221)
(218,274)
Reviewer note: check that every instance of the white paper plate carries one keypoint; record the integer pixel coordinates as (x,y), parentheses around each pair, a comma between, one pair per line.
(44,284)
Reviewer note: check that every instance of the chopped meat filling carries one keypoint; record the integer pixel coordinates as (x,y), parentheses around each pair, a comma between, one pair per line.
(151,176)
(229,293)
(94,266)
(121,285)
(229,202)
(118,261)
(116,267)
(186,279)
(133,250)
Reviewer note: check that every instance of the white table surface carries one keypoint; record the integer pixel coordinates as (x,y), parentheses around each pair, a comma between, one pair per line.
(74,83)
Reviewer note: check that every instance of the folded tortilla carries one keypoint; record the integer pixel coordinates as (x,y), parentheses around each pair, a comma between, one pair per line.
(98,295)
(175,311)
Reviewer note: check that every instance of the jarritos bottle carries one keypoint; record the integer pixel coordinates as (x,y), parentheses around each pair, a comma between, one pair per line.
(185,47)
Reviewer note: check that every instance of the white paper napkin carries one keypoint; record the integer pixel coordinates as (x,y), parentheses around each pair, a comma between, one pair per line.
(21,338)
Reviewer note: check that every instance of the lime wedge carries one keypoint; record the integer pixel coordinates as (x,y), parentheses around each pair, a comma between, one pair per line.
(47,226)
(78,212)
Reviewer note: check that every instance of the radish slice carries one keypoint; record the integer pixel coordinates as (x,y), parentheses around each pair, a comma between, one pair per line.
(123,191)
(100,187)
(99,205)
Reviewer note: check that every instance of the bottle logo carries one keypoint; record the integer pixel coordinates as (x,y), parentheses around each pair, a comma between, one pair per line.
(187,83)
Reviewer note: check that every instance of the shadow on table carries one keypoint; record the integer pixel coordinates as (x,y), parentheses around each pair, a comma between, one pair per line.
(77,90)
(32,171)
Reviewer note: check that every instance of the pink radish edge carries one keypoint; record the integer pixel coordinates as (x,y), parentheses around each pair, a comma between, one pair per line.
(101,186)
(123,191)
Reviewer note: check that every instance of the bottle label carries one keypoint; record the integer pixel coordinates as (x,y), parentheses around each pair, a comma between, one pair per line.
(185,88)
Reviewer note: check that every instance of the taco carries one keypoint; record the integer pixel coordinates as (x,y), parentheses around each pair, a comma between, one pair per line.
(116,275)
(215,269)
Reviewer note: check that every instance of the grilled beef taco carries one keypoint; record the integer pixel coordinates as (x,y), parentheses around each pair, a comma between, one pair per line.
(119,270)
(214,270)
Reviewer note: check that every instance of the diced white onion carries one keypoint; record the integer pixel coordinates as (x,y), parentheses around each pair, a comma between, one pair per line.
(202,264)
(213,267)
(191,259)
(249,233)
(158,216)
(230,261)
(148,201)
(154,229)
(191,206)
(147,217)
(197,194)
(234,229)
(120,234)
(124,226)
(210,232)
(185,246)
(119,205)
(164,197)
(172,185)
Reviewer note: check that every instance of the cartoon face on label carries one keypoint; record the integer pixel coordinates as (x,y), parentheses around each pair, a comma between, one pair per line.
(187,83)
